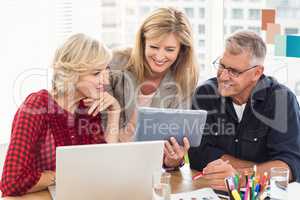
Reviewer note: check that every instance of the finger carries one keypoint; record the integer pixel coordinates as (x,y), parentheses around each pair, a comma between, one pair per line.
(93,107)
(213,167)
(107,102)
(186,144)
(222,168)
(221,175)
(219,187)
(168,159)
(170,149)
(167,154)
(215,162)
(216,183)
(176,147)
(102,107)
(98,104)
(108,99)
(96,111)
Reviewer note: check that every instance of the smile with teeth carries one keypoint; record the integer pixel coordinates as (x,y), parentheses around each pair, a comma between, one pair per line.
(159,62)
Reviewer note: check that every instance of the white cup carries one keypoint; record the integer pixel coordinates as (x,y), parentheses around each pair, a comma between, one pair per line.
(279,180)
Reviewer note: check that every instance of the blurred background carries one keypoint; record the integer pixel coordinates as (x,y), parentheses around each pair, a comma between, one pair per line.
(31,30)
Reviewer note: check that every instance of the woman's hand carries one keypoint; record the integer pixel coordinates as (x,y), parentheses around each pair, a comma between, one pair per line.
(174,153)
(105,102)
(109,103)
(47,178)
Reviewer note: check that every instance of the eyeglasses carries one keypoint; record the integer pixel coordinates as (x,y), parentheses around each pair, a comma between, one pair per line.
(231,72)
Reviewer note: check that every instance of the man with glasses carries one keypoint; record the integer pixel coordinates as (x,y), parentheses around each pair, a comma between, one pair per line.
(252,119)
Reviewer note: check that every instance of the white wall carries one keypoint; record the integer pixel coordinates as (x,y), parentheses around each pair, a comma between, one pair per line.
(3,149)
(30,32)
(25,44)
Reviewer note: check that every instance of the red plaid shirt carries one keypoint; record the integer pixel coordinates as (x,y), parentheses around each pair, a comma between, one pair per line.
(39,126)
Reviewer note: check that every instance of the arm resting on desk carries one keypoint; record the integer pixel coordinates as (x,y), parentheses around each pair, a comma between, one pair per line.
(47,179)
(243,165)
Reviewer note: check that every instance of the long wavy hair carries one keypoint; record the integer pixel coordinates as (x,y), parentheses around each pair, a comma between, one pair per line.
(160,23)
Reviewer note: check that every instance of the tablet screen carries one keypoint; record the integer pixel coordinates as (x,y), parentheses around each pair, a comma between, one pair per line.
(163,123)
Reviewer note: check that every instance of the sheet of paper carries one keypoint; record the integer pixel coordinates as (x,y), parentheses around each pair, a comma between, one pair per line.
(267,16)
(201,194)
(293,190)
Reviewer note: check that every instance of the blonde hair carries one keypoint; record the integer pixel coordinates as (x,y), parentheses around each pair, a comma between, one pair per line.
(159,23)
(79,55)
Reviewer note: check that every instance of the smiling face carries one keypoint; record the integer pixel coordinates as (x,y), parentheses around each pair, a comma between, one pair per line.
(161,53)
(93,84)
(239,88)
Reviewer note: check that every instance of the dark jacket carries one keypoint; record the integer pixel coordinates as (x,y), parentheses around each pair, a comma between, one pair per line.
(269,129)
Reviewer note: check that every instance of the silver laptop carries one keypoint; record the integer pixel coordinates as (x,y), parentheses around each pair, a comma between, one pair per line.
(107,171)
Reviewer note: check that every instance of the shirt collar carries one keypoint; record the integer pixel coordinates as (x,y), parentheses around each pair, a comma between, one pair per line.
(260,91)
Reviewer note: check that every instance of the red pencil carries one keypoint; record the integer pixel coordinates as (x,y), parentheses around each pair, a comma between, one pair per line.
(197,175)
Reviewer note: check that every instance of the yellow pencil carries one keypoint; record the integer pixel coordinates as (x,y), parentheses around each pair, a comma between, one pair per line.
(236,195)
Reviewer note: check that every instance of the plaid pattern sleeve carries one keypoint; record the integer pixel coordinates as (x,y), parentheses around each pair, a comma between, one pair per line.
(89,128)
(18,174)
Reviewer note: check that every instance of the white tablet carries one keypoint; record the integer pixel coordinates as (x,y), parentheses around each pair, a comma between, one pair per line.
(163,123)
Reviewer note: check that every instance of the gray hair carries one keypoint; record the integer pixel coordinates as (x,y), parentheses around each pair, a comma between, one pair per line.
(247,41)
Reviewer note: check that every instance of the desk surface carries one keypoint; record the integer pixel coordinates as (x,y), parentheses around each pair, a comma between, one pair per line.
(181,181)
